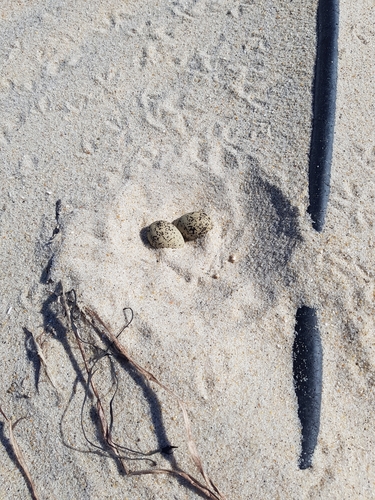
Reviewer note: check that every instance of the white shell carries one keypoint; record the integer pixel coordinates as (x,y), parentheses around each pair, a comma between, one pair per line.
(193,225)
(162,234)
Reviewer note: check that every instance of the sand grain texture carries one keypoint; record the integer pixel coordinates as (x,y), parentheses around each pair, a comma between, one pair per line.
(140,111)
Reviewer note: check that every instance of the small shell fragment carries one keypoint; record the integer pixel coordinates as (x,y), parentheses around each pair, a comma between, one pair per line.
(193,225)
(162,234)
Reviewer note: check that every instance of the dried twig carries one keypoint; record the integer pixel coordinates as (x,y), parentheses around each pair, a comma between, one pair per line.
(92,318)
(20,458)
(105,429)
(95,321)
(44,361)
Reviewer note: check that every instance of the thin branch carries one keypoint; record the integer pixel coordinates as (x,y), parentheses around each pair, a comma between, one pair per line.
(44,362)
(20,458)
(99,407)
(97,323)
(91,317)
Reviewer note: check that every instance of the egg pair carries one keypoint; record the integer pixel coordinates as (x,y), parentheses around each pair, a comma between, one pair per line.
(162,234)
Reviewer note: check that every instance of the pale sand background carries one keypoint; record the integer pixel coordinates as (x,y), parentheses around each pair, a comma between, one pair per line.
(138,111)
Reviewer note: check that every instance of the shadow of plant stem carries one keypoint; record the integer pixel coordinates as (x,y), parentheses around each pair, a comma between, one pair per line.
(73,311)
(55,322)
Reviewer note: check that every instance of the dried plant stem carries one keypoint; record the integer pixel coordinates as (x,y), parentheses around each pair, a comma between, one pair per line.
(91,317)
(44,362)
(20,458)
(211,490)
(188,477)
(106,433)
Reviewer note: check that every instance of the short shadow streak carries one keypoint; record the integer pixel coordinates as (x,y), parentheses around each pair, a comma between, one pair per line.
(45,276)
(143,235)
(33,356)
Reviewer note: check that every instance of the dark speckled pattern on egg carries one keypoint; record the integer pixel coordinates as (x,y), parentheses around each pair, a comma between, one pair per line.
(162,234)
(193,225)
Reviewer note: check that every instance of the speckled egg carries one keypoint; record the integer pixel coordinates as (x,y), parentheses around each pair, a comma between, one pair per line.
(163,234)
(193,225)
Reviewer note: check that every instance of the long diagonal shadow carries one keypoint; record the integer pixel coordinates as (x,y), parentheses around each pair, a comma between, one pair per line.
(52,312)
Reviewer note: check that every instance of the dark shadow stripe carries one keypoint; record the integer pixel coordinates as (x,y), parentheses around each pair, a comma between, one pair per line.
(307,374)
(324,108)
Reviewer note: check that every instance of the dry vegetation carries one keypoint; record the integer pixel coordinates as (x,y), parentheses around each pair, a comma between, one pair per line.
(76,319)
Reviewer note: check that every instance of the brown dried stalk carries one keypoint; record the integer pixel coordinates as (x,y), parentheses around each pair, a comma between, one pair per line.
(91,316)
(99,407)
(44,361)
(209,490)
(19,456)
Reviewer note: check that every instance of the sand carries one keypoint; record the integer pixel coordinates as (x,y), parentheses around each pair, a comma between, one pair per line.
(134,112)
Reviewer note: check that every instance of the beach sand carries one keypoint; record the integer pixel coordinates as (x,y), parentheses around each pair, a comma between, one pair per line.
(141,111)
